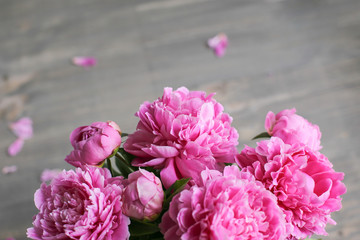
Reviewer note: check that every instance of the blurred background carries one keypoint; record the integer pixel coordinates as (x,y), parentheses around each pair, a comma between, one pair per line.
(281,54)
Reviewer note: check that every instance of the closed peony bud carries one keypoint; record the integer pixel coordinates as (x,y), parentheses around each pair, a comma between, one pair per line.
(143,196)
(93,144)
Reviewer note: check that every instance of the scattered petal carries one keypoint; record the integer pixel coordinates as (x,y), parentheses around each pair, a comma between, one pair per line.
(84,61)
(22,128)
(16,147)
(219,44)
(49,174)
(7,170)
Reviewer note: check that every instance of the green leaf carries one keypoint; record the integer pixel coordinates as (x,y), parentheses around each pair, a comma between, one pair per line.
(125,155)
(139,228)
(174,189)
(261,135)
(108,162)
(229,164)
(153,170)
(124,134)
(105,165)
(124,168)
(113,172)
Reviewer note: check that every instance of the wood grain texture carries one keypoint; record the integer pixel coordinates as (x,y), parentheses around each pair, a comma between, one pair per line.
(282,54)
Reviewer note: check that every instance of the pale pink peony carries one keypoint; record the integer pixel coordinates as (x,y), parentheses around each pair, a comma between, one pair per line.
(230,206)
(80,204)
(182,133)
(93,144)
(307,187)
(292,128)
(143,195)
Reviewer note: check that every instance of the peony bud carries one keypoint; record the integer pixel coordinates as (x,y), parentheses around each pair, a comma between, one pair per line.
(114,125)
(292,128)
(93,144)
(143,196)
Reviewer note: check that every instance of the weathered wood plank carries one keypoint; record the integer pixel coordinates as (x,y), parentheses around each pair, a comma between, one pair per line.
(282,54)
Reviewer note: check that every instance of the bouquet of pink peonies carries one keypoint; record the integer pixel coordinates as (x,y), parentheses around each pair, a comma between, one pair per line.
(180,176)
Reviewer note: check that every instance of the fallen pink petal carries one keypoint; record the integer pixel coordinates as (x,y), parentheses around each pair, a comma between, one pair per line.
(218,44)
(49,174)
(22,128)
(84,61)
(7,170)
(16,147)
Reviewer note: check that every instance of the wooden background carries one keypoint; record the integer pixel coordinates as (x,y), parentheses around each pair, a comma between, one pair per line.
(282,54)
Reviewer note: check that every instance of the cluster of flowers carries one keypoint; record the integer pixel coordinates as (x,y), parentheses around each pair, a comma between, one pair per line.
(180,176)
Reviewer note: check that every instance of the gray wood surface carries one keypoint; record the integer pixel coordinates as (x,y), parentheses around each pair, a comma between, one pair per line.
(282,54)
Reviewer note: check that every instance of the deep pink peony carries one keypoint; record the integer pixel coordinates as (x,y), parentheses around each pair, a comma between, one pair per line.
(230,206)
(182,133)
(307,187)
(93,144)
(143,195)
(80,204)
(292,128)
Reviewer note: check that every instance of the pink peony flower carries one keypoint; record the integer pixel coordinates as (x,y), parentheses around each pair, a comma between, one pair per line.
(93,144)
(219,44)
(229,206)
(80,204)
(307,187)
(182,133)
(292,128)
(143,195)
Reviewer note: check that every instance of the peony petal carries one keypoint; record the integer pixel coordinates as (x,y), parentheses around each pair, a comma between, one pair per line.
(84,61)
(140,162)
(219,44)
(269,121)
(168,174)
(9,169)
(161,151)
(16,147)
(22,128)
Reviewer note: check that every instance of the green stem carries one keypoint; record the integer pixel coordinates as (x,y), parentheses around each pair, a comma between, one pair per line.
(110,166)
(119,156)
